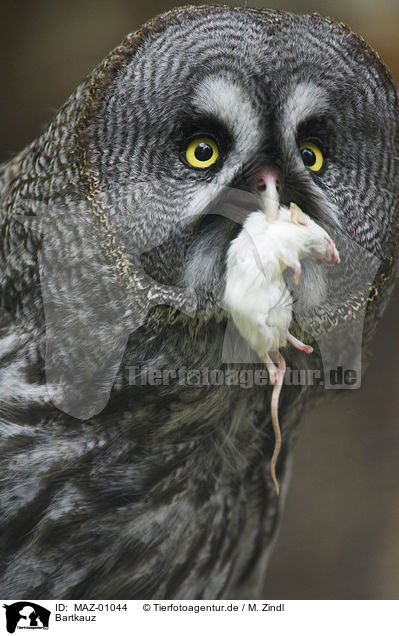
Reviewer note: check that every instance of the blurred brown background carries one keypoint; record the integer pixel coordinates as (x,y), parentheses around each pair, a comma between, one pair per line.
(340,532)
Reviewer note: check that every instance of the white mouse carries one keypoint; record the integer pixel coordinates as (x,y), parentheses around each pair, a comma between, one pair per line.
(271,240)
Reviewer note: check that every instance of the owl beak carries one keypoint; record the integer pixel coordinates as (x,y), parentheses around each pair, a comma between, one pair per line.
(235,203)
(269,181)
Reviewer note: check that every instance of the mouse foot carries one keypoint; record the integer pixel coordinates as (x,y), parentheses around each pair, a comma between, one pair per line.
(271,368)
(274,368)
(297,272)
(298,344)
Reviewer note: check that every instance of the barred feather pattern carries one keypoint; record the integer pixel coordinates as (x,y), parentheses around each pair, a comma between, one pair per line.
(166,492)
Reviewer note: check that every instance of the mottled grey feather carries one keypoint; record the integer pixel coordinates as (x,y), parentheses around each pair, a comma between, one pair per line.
(166,492)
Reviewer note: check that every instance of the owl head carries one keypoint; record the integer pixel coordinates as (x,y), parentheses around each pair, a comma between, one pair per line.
(183,116)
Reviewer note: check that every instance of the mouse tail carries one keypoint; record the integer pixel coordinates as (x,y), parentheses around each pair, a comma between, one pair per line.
(278,383)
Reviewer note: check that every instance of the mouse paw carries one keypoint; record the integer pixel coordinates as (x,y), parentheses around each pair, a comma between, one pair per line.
(298,344)
(297,272)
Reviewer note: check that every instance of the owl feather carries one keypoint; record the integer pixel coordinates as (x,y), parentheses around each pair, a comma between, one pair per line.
(122,477)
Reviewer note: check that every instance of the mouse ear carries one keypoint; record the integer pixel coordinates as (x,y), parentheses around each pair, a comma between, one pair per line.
(297,216)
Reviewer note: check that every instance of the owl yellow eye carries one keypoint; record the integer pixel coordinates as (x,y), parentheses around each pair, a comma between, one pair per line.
(312,156)
(202,152)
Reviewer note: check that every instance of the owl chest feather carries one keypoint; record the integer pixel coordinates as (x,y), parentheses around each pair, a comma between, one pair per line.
(162,469)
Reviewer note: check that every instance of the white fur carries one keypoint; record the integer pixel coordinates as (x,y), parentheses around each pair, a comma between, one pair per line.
(256,294)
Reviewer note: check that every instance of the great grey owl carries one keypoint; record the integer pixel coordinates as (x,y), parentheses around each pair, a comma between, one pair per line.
(135,447)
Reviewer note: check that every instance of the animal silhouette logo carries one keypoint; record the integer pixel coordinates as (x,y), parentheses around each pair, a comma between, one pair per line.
(26,615)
